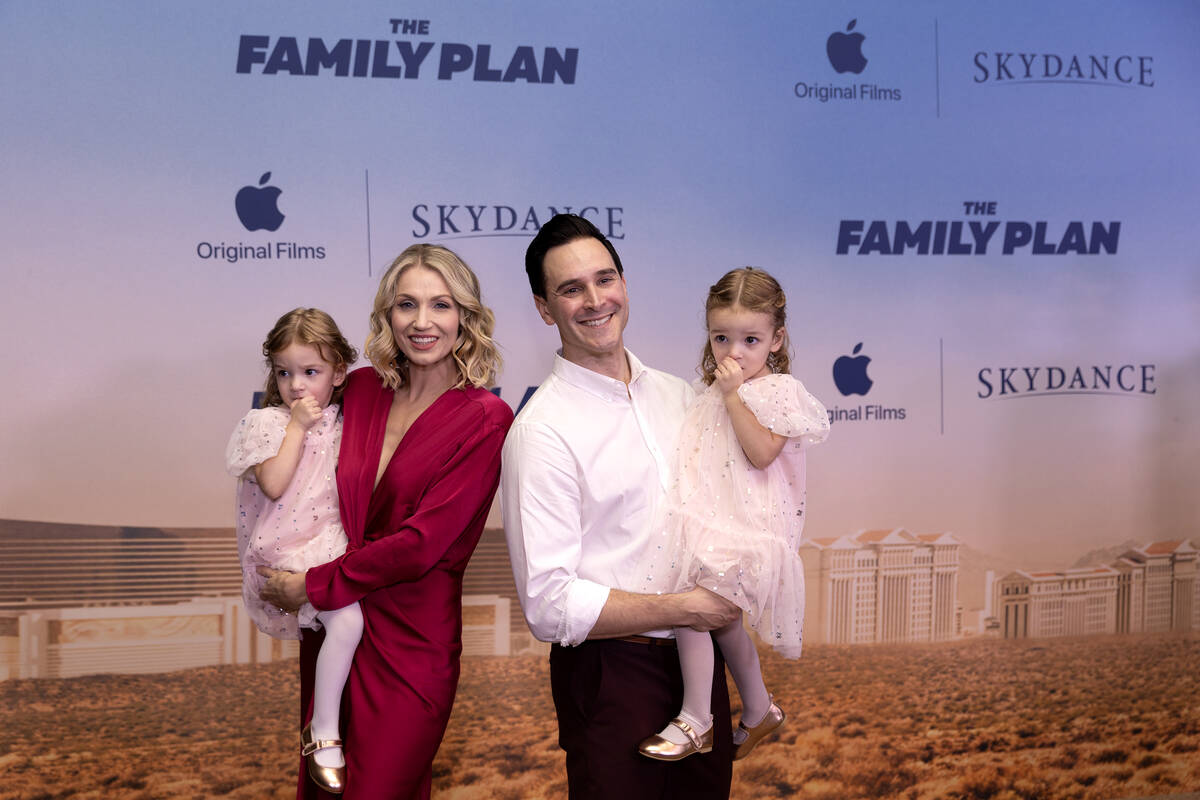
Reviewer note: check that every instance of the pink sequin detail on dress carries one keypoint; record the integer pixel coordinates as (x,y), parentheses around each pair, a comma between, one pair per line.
(299,530)
(735,529)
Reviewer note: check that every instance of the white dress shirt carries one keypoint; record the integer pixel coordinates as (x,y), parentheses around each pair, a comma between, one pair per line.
(585,465)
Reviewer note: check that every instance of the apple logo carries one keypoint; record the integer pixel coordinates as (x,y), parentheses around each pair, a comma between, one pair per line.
(257,208)
(845,50)
(850,374)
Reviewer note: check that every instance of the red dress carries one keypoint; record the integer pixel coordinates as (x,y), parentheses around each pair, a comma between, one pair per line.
(410,539)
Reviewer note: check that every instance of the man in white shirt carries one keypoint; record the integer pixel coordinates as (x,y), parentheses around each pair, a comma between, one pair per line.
(585,465)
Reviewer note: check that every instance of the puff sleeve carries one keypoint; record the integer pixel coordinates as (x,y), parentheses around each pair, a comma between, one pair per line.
(782,405)
(257,437)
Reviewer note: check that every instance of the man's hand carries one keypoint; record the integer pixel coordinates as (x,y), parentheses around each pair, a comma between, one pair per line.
(707,611)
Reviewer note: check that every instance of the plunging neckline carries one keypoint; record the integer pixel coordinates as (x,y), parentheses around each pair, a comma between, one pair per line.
(377,480)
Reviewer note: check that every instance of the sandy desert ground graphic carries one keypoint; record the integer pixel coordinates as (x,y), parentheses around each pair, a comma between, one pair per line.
(1108,717)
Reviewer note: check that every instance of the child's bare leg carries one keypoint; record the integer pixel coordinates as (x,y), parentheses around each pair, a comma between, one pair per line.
(343,629)
(742,659)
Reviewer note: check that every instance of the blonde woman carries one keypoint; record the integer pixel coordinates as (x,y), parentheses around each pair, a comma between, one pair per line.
(418,467)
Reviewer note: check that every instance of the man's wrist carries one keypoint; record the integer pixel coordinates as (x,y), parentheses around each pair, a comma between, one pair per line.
(679,609)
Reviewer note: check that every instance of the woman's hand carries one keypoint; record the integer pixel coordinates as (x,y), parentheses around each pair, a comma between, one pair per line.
(284,589)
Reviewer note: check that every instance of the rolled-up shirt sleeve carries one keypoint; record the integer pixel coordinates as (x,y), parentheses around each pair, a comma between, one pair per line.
(541,504)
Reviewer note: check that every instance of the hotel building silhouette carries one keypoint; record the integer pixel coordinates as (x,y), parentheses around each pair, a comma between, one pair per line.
(881,586)
(1147,589)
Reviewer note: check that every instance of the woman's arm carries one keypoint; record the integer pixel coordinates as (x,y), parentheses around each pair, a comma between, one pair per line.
(462,491)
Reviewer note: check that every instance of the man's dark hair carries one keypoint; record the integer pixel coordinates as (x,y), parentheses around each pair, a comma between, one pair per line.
(559,230)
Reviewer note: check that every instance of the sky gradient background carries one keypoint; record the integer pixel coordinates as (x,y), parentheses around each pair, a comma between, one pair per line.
(129,358)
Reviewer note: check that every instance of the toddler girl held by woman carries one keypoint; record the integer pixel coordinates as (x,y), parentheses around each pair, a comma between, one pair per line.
(734,515)
(284,455)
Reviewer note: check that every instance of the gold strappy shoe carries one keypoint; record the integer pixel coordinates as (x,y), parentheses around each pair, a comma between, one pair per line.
(770,721)
(663,749)
(331,779)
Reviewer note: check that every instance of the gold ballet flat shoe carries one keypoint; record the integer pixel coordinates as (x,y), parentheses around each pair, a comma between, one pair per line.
(770,721)
(331,779)
(662,749)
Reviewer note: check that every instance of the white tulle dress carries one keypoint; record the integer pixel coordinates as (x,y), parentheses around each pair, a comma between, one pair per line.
(735,529)
(303,527)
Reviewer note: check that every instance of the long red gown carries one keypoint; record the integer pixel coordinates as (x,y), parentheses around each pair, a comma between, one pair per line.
(410,539)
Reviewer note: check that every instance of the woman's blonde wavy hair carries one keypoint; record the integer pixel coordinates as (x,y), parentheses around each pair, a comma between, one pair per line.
(754,290)
(476,356)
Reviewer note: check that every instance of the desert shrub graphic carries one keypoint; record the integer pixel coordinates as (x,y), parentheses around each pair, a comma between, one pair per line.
(1103,717)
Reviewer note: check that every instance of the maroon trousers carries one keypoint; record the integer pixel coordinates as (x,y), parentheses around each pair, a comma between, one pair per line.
(611,694)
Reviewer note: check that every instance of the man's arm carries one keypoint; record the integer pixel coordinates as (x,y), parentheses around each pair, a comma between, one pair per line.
(542,522)
(627,614)
(539,497)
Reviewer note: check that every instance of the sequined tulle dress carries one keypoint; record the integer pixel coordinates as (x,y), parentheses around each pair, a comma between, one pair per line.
(299,530)
(735,529)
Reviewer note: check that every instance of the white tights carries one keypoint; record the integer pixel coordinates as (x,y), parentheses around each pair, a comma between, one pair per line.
(343,630)
(696,663)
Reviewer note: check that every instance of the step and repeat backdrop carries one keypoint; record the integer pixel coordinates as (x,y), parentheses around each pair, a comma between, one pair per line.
(984,219)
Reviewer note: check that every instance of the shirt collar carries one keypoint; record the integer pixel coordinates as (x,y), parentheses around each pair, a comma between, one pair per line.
(601,386)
